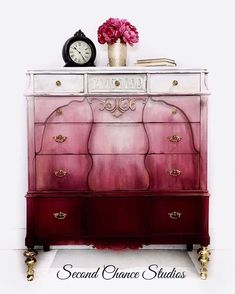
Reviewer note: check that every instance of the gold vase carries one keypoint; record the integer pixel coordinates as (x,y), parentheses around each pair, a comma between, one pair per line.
(117,53)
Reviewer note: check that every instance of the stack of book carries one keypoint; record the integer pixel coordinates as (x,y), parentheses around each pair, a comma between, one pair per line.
(155,62)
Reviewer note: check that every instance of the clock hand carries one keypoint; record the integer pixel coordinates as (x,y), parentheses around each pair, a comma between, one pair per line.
(82,56)
(79,53)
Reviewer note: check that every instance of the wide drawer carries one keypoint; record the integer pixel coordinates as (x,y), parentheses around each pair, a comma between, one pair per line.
(175,83)
(57,216)
(103,83)
(116,217)
(178,215)
(118,172)
(60,109)
(114,138)
(58,83)
(173,137)
(62,138)
(172,109)
(62,172)
(170,172)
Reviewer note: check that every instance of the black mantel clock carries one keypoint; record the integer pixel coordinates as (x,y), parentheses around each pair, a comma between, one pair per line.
(79,51)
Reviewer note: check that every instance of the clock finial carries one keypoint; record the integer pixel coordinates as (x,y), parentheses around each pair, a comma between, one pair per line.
(79,34)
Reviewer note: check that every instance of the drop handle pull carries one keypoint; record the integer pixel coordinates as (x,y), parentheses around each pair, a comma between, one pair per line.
(174,138)
(59,138)
(60,215)
(60,173)
(174,172)
(175,214)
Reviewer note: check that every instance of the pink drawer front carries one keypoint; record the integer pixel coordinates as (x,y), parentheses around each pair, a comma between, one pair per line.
(59,109)
(173,172)
(172,109)
(118,139)
(62,172)
(173,137)
(67,138)
(118,172)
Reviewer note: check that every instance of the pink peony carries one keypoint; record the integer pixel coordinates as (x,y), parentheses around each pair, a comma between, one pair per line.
(114,28)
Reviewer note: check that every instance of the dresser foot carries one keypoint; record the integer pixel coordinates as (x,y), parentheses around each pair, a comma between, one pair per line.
(203,258)
(189,247)
(30,255)
(46,248)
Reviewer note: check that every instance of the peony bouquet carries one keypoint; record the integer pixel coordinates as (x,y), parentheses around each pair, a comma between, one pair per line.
(114,28)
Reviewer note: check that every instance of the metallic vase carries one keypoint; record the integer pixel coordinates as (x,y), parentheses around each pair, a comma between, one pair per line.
(117,53)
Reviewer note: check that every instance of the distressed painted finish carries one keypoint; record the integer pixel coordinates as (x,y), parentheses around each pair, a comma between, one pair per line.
(173,138)
(119,155)
(76,168)
(118,172)
(160,166)
(172,109)
(60,109)
(118,139)
(62,138)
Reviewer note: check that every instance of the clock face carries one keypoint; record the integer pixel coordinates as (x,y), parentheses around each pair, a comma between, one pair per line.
(80,52)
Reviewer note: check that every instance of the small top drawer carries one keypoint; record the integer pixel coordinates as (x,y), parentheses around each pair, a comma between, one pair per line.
(128,83)
(175,83)
(58,84)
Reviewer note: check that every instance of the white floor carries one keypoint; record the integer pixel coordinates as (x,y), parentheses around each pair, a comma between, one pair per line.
(13,271)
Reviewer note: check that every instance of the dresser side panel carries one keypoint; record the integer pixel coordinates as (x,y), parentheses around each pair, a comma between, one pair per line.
(31,144)
(203,157)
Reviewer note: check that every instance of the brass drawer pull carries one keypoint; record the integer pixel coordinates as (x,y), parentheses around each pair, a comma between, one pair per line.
(59,111)
(175,83)
(174,172)
(58,83)
(117,83)
(60,173)
(174,214)
(59,138)
(174,110)
(174,138)
(60,215)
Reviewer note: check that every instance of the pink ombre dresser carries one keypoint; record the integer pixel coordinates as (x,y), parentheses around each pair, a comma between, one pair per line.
(117,159)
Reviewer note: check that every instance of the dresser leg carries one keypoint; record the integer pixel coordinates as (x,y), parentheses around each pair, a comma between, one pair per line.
(30,255)
(203,258)
(46,248)
(189,247)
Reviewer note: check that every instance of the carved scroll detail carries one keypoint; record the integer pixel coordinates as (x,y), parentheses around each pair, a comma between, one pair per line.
(118,106)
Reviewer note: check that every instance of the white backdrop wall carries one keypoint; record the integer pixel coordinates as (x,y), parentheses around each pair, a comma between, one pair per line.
(195,33)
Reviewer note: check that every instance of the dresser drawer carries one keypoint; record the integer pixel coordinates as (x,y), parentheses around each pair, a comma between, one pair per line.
(173,137)
(118,139)
(70,138)
(178,215)
(172,109)
(175,83)
(60,109)
(118,172)
(116,217)
(58,216)
(127,83)
(173,171)
(62,172)
(58,83)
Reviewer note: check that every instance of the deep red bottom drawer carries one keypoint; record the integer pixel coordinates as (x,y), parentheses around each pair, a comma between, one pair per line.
(57,216)
(178,215)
